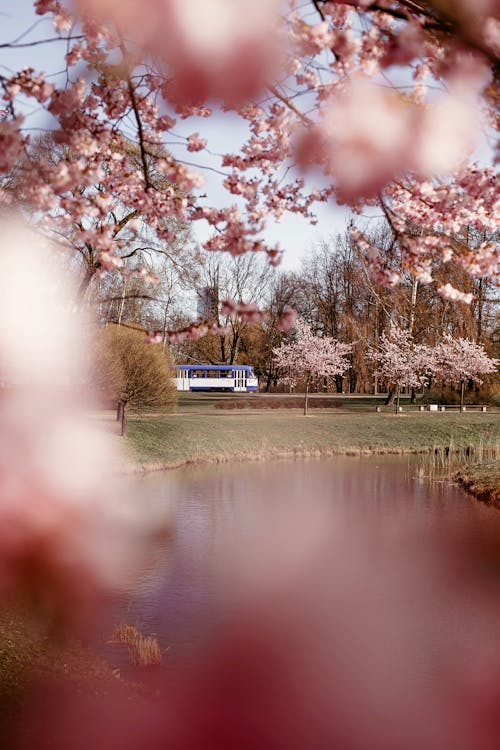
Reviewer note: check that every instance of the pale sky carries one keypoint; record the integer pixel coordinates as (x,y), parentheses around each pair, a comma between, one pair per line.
(224,132)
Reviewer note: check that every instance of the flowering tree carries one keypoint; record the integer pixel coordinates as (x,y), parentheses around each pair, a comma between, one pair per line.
(402,362)
(302,80)
(459,360)
(309,357)
(377,103)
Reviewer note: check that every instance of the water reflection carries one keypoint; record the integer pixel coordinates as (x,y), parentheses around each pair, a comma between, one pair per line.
(232,527)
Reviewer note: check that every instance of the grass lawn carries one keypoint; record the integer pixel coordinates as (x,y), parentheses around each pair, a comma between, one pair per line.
(217,435)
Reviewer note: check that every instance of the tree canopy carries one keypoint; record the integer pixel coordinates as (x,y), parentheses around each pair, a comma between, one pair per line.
(376,105)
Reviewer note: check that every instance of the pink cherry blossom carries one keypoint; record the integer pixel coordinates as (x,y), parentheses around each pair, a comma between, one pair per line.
(308,357)
(154,337)
(60,539)
(11,143)
(246,311)
(225,49)
(459,359)
(449,292)
(342,106)
(368,136)
(400,361)
(195,143)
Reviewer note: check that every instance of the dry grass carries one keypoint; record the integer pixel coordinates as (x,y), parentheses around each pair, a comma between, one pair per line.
(444,462)
(144,650)
(475,467)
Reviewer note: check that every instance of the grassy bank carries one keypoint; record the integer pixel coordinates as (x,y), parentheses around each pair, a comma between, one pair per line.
(157,441)
(482,481)
(29,656)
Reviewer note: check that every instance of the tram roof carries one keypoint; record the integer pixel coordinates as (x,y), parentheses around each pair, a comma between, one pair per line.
(248,368)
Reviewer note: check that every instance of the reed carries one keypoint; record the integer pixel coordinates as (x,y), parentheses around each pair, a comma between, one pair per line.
(144,650)
(443,462)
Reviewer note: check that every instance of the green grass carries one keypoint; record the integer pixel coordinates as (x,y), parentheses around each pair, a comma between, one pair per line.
(170,440)
(482,481)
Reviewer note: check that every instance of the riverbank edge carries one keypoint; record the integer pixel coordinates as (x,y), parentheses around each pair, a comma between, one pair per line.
(134,467)
(29,656)
(256,456)
(482,481)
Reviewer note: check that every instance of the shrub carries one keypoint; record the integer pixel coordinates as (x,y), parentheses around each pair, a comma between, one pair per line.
(447,397)
(131,372)
(284,402)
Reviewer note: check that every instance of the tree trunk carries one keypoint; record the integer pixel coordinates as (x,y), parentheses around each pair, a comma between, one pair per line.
(397,399)
(122,302)
(222,348)
(123,431)
(306,397)
(390,397)
(462,394)
(84,284)
(234,348)
(165,327)
(413,399)
(269,381)
(414,287)
(119,407)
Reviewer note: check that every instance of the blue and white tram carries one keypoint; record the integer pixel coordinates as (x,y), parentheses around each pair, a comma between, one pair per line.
(236,378)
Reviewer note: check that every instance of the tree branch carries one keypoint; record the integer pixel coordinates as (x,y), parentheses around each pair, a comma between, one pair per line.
(289,104)
(123,222)
(140,128)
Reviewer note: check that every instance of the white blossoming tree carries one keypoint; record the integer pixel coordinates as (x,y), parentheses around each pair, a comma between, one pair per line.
(459,360)
(402,362)
(308,357)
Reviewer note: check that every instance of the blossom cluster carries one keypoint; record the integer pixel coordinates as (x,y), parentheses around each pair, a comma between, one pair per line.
(191,332)
(308,356)
(246,311)
(402,362)
(308,87)
(62,539)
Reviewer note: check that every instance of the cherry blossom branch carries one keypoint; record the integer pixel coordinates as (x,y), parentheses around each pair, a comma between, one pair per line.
(285,100)
(437,21)
(124,221)
(37,42)
(140,128)
(322,16)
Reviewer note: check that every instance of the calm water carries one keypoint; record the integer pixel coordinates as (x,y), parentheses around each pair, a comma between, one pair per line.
(238,529)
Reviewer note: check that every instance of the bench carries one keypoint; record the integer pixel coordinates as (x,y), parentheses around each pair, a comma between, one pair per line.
(454,407)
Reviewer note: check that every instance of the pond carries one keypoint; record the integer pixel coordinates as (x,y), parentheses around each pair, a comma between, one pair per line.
(348,603)
(365,524)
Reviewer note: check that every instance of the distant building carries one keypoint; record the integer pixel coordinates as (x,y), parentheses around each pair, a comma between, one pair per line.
(208,301)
